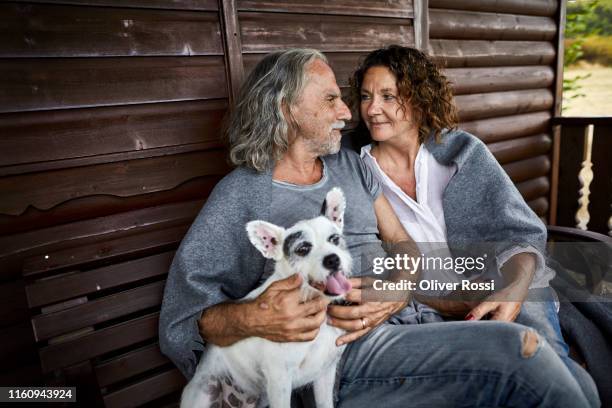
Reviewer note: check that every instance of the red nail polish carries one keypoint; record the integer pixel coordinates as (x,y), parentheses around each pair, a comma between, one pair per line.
(469,317)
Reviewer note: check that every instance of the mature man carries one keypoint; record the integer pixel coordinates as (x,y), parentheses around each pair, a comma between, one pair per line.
(285,138)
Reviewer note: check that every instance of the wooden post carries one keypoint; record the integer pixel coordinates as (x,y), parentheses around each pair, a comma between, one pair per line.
(421,25)
(554,174)
(232,46)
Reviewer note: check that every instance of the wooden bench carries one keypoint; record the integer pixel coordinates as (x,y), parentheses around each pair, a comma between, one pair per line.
(94,290)
(94,298)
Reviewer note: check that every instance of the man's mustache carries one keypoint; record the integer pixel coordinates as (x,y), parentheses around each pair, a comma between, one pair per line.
(338,125)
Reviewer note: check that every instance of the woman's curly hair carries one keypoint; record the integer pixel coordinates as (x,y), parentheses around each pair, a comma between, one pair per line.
(419,83)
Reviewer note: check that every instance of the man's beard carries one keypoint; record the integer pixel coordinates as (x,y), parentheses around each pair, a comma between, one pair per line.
(329,146)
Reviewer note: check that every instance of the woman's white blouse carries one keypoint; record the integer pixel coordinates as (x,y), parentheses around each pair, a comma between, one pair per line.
(423,218)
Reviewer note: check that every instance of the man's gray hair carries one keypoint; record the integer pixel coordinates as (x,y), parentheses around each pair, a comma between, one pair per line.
(258,130)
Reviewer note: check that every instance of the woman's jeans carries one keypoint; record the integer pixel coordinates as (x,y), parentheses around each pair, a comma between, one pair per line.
(458,364)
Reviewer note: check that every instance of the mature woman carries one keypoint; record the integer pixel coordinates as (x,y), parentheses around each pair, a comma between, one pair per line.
(446,187)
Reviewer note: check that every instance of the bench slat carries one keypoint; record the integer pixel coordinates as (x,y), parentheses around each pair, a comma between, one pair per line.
(129,364)
(99,342)
(133,245)
(77,284)
(97,311)
(147,390)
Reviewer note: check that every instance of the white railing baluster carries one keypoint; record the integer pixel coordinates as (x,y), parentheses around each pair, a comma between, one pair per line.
(585,176)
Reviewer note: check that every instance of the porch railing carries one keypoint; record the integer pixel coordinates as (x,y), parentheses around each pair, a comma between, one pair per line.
(581,194)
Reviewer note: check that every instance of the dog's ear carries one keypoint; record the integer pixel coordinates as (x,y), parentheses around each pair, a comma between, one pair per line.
(334,206)
(267,238)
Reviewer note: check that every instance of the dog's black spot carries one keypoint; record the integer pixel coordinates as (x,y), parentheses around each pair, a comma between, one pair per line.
(289,241)
(273,241)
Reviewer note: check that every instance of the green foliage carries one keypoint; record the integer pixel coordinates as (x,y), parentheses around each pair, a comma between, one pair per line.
(578,25)
(595,15)
(577,28)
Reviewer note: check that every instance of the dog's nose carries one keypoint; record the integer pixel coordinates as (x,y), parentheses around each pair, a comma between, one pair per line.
(331,262)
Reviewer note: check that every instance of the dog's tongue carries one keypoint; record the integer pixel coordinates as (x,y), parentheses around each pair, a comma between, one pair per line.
(337,284)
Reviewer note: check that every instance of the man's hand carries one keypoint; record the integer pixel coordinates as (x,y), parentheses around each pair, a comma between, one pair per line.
(360,318)
(277,315)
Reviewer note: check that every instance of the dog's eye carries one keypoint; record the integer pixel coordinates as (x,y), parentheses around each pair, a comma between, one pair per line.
(303,249)
(334,239)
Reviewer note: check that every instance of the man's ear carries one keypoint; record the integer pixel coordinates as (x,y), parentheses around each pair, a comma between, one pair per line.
(334,206)
(267,238)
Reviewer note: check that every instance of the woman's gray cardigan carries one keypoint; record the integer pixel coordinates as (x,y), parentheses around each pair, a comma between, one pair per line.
(216,263)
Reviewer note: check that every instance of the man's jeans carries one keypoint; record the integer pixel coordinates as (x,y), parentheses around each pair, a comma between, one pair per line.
(454,364)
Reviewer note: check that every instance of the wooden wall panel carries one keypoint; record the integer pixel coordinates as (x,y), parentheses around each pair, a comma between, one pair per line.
(530,7)
(521,148)
(473,53)
(379,8)
(487,105)
(79,133)
(202,5)
(343,64)
(478,80)
(499,57)
(509,127)
(489,26)
(42,84)
(69,31)
(265,32)
(124,179)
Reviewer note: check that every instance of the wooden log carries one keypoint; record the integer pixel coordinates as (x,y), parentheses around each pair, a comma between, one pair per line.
(130,364)
(532,189)
(70,285)
(122,179)
(521,148)
(42,84)
(487,105)
(527,169)
(203,5)
(530,7)
(68,31)
(97,133)
(265,32)
(366,8)
(508,127)
(146,390)
(455,24)
(539,206)
(99,342)
(470,53)
(477,80)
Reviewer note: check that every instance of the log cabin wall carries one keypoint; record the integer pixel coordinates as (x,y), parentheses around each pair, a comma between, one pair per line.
(110,115)
(501,56)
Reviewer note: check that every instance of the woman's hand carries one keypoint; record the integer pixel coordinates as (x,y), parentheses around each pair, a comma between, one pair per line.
(360,318)
(505,304)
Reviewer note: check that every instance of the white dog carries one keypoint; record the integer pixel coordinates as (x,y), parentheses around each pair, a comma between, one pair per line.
(315,249)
